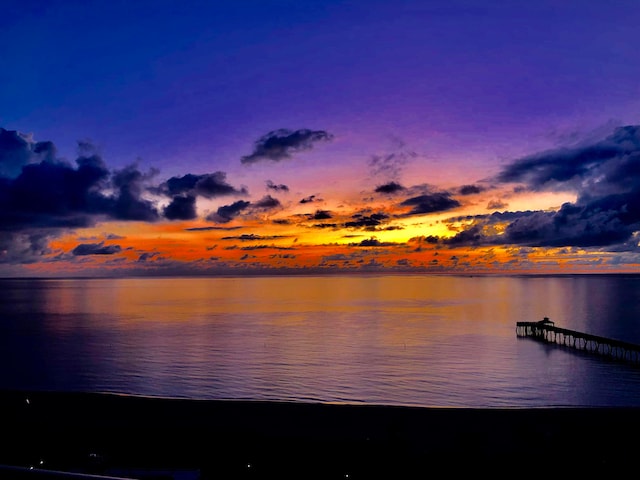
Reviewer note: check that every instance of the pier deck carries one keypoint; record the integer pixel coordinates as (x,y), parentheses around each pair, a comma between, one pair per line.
(546,331)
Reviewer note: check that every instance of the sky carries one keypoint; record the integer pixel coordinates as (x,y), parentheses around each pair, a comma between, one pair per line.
(275,136)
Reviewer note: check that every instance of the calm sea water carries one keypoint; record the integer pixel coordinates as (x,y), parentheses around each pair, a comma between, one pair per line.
(402,340)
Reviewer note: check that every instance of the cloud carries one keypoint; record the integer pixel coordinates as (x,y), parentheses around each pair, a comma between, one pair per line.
(366,221)
(430,203)
(206,229)
(610,165)
(263,247)
(309,199)
(266,203)
(470,189)
(181,208)
(227,213)
(281,221)
(24,247)
(129,204)
(54,193)
(95,249)
(40,191)
(605,174)
(601,224)
(146,256)
(390,165)
(276,188)
(250,237)
(208,185)
(42,196)
(574,225)
(389,188)
(18,150)
(373,242)
(326,225)
(280,144)
(497,205)
(320,215)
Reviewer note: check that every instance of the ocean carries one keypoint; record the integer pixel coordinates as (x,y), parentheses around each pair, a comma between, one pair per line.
(417,340)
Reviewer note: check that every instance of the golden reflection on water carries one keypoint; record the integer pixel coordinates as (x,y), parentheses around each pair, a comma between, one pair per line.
(438,340)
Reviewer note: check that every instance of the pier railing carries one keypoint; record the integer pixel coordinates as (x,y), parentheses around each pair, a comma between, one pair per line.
(546,331)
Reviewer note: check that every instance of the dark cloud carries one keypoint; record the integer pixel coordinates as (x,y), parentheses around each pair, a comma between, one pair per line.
(366,221)
(389,188)
(280,144)
(227,213)
(601,223)
(95,249)
(40,191)
(56,194)
(18,150)
(263,247)
(24,247)
(266,203)
(604,223)
(497,205)
(373,242)
(320,215)
(208,185)
(277,188)
(129,204)
(309,199)
(250,237)
(606,166)
(605,174)
(470,189)
(326,225)
(147,256)
(206,229)
(281,221)
(430,203)
(431,239)
(181,208)
(42,195)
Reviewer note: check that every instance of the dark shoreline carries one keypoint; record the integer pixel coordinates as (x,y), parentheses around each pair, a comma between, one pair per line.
(107,433)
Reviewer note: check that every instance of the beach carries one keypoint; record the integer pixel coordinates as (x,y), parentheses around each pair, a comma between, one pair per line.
(146,437)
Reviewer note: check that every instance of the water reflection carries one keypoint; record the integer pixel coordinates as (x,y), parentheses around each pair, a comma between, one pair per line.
(419,340)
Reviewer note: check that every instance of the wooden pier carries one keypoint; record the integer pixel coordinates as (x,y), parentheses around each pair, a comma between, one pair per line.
(546,331)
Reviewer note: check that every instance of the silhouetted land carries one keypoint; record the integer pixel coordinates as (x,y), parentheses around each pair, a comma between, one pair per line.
(152,437)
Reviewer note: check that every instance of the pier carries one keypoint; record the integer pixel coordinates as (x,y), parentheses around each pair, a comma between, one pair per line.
(546,331)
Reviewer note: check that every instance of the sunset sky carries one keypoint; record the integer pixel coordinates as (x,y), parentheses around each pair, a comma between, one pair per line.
(276,136)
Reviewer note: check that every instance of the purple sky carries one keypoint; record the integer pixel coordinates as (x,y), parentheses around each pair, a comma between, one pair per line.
(197,82)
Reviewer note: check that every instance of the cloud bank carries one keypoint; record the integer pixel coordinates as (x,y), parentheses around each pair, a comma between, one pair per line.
(605,175)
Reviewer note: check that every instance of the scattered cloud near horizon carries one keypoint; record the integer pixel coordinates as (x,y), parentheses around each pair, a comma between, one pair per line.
(47,202)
